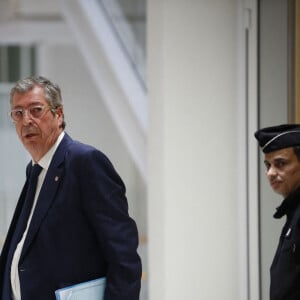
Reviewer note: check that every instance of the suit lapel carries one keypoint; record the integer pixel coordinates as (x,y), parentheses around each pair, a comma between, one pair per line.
(46,197)
(10,243)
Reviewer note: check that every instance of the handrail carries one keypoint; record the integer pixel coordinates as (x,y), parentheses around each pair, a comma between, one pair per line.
(124,33)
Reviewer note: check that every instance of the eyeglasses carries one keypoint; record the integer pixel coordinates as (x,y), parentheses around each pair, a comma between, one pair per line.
(34,111)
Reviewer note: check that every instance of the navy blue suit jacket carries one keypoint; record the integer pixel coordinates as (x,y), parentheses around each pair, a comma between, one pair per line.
(80,229)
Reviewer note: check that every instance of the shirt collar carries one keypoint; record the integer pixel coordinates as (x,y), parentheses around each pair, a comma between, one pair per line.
(45,161)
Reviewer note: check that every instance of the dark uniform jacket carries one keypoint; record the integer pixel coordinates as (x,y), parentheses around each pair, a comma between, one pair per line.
(80,230)
(285,269)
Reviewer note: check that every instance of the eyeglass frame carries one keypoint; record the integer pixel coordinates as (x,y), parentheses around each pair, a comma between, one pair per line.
(28,111)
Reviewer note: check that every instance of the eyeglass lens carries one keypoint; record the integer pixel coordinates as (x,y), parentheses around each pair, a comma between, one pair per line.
(33,111)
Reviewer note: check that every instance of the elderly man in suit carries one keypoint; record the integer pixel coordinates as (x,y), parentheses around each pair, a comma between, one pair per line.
(77,226)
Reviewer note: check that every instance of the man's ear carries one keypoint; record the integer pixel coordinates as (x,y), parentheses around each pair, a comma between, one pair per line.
(59,111)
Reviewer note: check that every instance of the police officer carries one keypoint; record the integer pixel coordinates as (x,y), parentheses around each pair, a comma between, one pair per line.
(281,148)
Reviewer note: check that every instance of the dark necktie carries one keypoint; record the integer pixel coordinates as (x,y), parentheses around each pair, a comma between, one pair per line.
(21,224)
(27,206)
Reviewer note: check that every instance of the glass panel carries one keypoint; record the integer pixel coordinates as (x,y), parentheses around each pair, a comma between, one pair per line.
(16,62)
(3,64)
(32,58)
(128,18)
(135,13)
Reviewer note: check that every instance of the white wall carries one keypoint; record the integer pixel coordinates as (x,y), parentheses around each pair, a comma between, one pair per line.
(192,205)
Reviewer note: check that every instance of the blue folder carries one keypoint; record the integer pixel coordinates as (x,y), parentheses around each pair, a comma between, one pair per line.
(89,290)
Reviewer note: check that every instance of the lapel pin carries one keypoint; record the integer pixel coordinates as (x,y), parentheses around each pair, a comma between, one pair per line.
(56,178)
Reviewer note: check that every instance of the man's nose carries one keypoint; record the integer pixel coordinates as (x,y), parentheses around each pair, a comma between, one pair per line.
(271,172)
(26,117)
